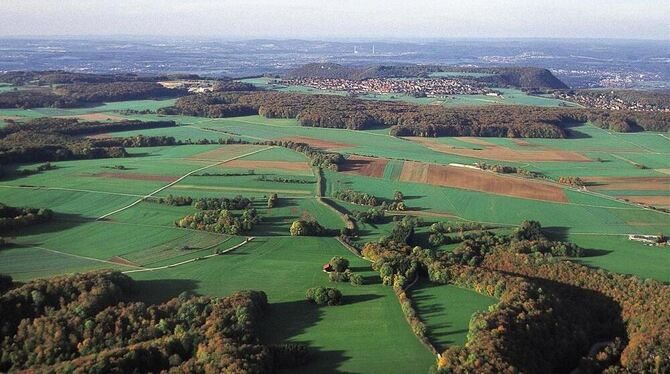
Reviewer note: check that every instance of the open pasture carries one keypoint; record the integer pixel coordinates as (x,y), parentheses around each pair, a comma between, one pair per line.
(366,334)
(445,309)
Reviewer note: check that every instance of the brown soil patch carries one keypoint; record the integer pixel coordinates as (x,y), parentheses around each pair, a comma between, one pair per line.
(523,143)
(13,118)
(104,135)
(316,143)
(476,180)
(139,177)
(95,117)
(254,164)
(500,153)
(628,183)
(657,201)
(122,261)
(366,166)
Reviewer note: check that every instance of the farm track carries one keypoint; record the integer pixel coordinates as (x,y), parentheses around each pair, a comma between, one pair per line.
(82,257)
(70,189)
(192,259)
(179,180)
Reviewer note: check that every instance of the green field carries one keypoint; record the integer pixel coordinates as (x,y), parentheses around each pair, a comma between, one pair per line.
(368,333)
(445,309)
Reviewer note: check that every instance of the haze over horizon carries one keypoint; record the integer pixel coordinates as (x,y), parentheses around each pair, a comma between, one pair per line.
(618,19)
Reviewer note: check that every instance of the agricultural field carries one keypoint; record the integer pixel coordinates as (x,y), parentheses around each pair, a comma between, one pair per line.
(107,214)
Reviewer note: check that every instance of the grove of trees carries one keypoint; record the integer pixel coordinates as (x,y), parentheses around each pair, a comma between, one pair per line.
(86,323)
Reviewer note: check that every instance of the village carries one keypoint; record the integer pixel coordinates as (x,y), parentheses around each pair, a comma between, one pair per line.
(417,87)
(607,101)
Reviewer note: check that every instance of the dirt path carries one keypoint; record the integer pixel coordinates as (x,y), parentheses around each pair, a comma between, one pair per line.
(84,257)
(191,260)
(70,189)
(179,180)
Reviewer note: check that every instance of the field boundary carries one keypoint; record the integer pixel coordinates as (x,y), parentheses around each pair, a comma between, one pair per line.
(179,180)
(192,259)
(82,257)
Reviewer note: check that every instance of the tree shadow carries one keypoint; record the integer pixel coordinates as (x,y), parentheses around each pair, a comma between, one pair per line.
(571,131)
(557,233)
(353,299)
(158,291)
(59,222)
(604,322)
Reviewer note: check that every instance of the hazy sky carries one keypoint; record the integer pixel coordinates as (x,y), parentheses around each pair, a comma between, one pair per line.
(314,19)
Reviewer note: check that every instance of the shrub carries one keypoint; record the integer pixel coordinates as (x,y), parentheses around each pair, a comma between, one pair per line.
(324,295)
(339,264)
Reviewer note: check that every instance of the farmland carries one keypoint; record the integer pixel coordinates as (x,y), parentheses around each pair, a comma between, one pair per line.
(110,213)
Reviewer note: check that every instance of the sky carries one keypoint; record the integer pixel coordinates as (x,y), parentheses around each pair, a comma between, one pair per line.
(331,19)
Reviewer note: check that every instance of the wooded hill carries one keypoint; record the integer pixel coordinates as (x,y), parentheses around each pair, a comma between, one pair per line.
(520,77)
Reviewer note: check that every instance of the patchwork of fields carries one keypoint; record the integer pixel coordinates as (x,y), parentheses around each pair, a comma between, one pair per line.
(103,218)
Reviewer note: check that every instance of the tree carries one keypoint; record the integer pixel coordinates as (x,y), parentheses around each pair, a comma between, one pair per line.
(324,295)
(339,264)
(398,196)
(298,228)
(272,200)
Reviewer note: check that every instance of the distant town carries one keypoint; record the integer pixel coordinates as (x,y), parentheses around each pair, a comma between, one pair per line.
(418,87)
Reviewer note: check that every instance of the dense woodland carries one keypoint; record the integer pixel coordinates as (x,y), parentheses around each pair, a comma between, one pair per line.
(56,139)
(413,120)
(82,94)
(85,323)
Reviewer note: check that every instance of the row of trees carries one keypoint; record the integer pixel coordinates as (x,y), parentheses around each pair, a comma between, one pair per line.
(506,169)
(72,126)
(364,198)
(176,200)
(238,202)
(221,221)
(86,323)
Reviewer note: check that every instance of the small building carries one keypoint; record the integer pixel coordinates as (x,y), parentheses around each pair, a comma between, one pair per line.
(327,268)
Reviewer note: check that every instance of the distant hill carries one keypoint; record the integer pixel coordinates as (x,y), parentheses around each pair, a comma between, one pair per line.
(521,77)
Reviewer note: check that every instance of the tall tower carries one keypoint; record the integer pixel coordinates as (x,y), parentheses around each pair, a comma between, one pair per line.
(373,49)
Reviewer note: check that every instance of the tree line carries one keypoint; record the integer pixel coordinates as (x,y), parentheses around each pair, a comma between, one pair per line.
(56,139)
(550,311)
(12,218)
(406,119)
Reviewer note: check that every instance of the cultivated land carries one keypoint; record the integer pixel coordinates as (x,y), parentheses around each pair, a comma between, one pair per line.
(101,220)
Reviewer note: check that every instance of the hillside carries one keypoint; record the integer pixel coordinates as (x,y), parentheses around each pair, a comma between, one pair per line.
(521,77)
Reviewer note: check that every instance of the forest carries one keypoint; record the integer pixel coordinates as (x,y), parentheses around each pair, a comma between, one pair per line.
(89,322)
(413,120)
(54,139)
